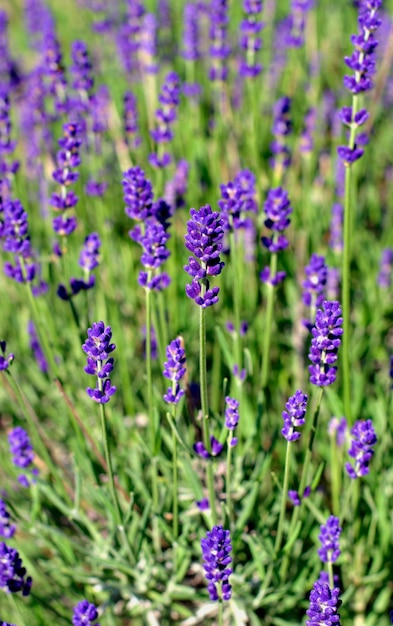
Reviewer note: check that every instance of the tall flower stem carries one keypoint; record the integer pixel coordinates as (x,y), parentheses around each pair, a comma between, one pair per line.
(284,495)
(307,460)
(228,481)
(205,409)
(269,324)
(346,272)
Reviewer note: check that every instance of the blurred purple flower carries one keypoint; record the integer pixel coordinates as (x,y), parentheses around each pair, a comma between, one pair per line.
(361,449)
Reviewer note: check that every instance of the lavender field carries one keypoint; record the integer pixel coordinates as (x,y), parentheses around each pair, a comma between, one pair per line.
(196,312)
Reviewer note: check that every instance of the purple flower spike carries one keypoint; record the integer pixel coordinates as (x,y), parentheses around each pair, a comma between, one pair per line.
(216,552)
(201,451)
(174,369)
(5,359)
(98,348)
(385,268)
(130,119)
(204,239)
(282,126)
(219,48)
(326,339)
(7,529)
(138,194)
(329,538)
(277,210)
(12,573)
(314,285)
(324,605)
(231,413)
(361,450)
(250,41)
(20,447)
(294,415)
(85,614)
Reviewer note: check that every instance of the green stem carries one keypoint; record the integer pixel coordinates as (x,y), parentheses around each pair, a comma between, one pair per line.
(228,480)
(335,469)
(284,496)
(220,613)
(269,323)
(205,409)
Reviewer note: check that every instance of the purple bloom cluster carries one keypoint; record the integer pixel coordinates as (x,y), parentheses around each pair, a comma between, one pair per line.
(204,239)
(174,369)
(361,449)
(385,268)
(250,41)
(5,359)
(294,415)
(277,210)
(282,127)
(154,254)
(98,347)
(231,417)
(81,68)
(326,339)
(219,49)
(85,614)
(88,260)
(237,199)
(362,63)
(191,27)
(148,44)
(329,538)
(7,529)
(324,605)
(130,120)
(216,552)
(295,497)
(299,9)
(67,160)
(166,115)
(216,448)
(129,35)
(16,240)
(53,71)
(8,166)
(138,194)
(36,348)
(12,573)
(314,286)
(23,453)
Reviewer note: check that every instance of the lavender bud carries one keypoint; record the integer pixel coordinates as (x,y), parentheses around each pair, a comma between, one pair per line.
(325,343)
(216,549)
(361,450)
(329,538)
(294,415)
(12,573)
(85,614)
(324,604)
(98,347)
(174,369)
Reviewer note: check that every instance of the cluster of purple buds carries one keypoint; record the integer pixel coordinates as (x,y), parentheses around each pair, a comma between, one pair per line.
(81,70)
(98,346)
(191,51)
(16,240)
(8,167)
(231,418)
(165,115)
(7,529)
(250,41)
(219,49)
(296,498)
(215,446)
(362,63)
(314,286)
(36,348)
(67,160)
(85,614)
(324,605)
(294,415)
(129,35)
(88,260)
(329,538)
(53,71)
(5,359)
(5,59)
(130,120)
(22,453)
(148,44)
(299,9)
(326,339)
(204,240)
(385,268)
(216,552)
(282,127)
(363,440)
(174,370)
(237,199)
(12,573)
(277,209)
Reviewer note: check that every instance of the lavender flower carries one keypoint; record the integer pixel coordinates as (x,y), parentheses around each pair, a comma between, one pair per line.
(166,115)
(36,348)
(295,37)
(5,359)
(148,44)
(338,428)
(216,552)
(277,210)
(138,194)
(81,69)
(324,604)
(8,166)
(89,257)
(22,451)
(295,498)
(155,253)
(174,369)
(250,42)
(7,529)
(219,48)
(98,347)
(204,239)
(231,417)
(329,538)
(314,286)
(326,340)
(238,198)
(12,573)
(216,448)
(191,50)
(385,268)
(361,450)
(282,127)
(14,232)
(85,614)
(294,415)
(176,188)
(130,120)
